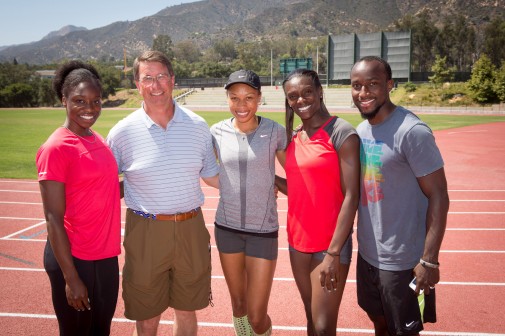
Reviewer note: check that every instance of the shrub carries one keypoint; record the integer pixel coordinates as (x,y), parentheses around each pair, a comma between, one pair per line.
(481,84)
(410,87)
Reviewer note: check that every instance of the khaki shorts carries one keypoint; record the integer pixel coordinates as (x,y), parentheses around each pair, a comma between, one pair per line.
(167,264)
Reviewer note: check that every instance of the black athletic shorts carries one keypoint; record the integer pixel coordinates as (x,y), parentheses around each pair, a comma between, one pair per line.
(387,293)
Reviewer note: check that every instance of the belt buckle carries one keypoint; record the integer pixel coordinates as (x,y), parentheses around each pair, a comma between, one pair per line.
(181,213)
(187,215)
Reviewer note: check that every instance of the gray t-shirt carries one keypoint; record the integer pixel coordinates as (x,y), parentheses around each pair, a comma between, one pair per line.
(392,209)
(246,176)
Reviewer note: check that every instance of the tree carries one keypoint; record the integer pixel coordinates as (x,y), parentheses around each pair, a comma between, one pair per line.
(499,84)
(423,38)
(494,41)
(187,51)
(481,84)
(225,49)
(14,73)
(18,85)
(163,43)
(456,41)
(254,56)
(182,69)
(212,70)
(110,78)
(441,72)
(465,44)
(18,95)
(424,34)
(45,95)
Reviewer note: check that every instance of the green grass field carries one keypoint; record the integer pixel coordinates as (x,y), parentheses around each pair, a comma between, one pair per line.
(22,131)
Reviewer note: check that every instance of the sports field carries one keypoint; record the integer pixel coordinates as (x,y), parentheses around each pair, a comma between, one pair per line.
(469,296)
(22,131)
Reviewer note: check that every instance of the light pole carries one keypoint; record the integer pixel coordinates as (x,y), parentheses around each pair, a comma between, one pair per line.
(271,68)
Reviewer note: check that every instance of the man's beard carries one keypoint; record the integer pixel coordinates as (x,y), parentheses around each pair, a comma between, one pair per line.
(370,115)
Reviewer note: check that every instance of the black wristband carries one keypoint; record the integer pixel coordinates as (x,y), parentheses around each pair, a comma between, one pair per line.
(332,254)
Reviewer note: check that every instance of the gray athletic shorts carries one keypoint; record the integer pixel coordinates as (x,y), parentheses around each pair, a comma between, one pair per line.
(345,252)
(259,245)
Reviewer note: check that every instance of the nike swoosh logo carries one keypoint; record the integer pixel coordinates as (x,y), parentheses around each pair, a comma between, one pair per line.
(263,135)
(409,324)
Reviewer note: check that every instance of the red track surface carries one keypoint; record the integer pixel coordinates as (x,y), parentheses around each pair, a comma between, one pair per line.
(469,297)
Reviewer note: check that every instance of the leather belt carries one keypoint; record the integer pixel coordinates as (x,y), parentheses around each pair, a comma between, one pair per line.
(178,217)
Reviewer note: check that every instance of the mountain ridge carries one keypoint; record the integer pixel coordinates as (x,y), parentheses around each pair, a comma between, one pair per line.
(63,31)
(204,22)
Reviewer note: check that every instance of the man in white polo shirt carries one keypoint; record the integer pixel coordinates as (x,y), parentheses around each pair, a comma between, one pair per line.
(162,150)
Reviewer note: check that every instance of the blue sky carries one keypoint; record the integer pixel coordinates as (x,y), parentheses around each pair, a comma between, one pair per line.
(24,21)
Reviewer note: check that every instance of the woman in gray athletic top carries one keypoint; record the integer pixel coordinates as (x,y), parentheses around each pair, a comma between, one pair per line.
(247,225)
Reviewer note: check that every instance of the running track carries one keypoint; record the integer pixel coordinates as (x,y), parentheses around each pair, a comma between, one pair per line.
(469,298)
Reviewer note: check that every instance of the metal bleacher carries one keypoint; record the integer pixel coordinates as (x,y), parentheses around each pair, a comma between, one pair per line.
(272,97)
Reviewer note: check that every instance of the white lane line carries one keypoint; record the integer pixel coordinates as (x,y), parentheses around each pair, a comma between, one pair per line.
(280,197)
(21,191)
(284,210)
(288,279)
(22,203)
(22,218)
(22,269)
(25,240)
(275,327)
(473,251)
(280,227)
(24,230)
(204,187)
(285,249)
(475,229)
(19,182)
(480,200)
(477,190)
(476,212)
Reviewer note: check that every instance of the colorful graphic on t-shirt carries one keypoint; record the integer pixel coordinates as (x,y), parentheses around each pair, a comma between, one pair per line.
(371,164)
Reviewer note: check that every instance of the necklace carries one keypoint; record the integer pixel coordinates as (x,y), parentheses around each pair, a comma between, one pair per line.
(250,132)
(83,138)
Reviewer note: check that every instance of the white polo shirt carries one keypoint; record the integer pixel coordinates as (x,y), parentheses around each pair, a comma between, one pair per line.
(162,168)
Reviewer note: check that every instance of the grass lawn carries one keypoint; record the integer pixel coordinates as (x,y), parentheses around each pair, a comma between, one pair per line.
(22,131)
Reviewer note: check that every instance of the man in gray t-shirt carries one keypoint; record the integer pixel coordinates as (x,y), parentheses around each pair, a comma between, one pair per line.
(403,207)
(392,209)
